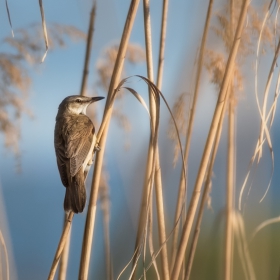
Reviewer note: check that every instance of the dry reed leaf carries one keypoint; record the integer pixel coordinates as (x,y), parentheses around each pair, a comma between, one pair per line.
(274,104)
(151,245)
(140,99)
(265,224)
(264,134)
(268,84)
(44,29)
(154,124)
(126,266)
(149,235)
(9,17)
(154,134)
(154,130)
(256,30)
(239,232)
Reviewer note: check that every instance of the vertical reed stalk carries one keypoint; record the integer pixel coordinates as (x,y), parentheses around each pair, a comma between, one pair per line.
(88,49)
(158,181)
(101,136)
(183,183)
(65,254)
(230,194)
(161,220)
(204,198)
(162,43)
(61,245)
(230,176)
(147,188)
(209,144)
(64,257)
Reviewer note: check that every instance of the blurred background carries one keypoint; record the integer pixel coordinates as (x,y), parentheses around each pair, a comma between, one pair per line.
(31,193)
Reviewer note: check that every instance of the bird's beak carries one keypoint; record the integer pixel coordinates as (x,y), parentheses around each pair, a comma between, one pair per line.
(96,98)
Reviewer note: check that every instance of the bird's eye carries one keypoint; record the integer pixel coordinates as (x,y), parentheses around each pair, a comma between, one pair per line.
(78,100)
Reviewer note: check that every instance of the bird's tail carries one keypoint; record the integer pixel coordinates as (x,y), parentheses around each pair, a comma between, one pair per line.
(75,196)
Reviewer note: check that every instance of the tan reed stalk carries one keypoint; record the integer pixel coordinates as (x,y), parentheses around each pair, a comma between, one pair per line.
(158,181)
(147,188)
(230,193)
(204,198)
(161,220)
(228,253)
(183,183)
(61,245)
(101,136)
(162,43)
(64,257)
(88,49)
(209,144)
(65,254)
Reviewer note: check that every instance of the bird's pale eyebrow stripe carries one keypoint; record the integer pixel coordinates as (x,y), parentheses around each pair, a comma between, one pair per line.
(79,100)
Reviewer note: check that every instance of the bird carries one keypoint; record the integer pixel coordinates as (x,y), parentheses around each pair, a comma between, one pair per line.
(74,143)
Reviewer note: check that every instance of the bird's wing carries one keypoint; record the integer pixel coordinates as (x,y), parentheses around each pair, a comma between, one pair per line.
(79,132)
(59,145)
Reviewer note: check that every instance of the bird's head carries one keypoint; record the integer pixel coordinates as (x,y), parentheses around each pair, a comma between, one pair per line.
(77,104)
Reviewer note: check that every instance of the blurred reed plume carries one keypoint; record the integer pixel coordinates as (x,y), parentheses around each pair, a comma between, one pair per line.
(23,52)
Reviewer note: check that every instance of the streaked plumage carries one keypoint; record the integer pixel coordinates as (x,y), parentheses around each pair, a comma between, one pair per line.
(74,141)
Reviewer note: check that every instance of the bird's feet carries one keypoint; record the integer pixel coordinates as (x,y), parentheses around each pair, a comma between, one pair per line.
(97,148)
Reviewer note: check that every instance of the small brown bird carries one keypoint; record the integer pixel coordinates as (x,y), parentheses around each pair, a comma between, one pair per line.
(74,142)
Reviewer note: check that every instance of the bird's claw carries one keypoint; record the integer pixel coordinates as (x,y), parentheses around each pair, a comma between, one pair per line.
(97,148)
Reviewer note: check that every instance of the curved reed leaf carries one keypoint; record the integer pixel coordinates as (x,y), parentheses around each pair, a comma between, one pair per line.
(239,231)
(140,99)
(9,17)
(265,224)
(44,29)
(264,133)
(154,130)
